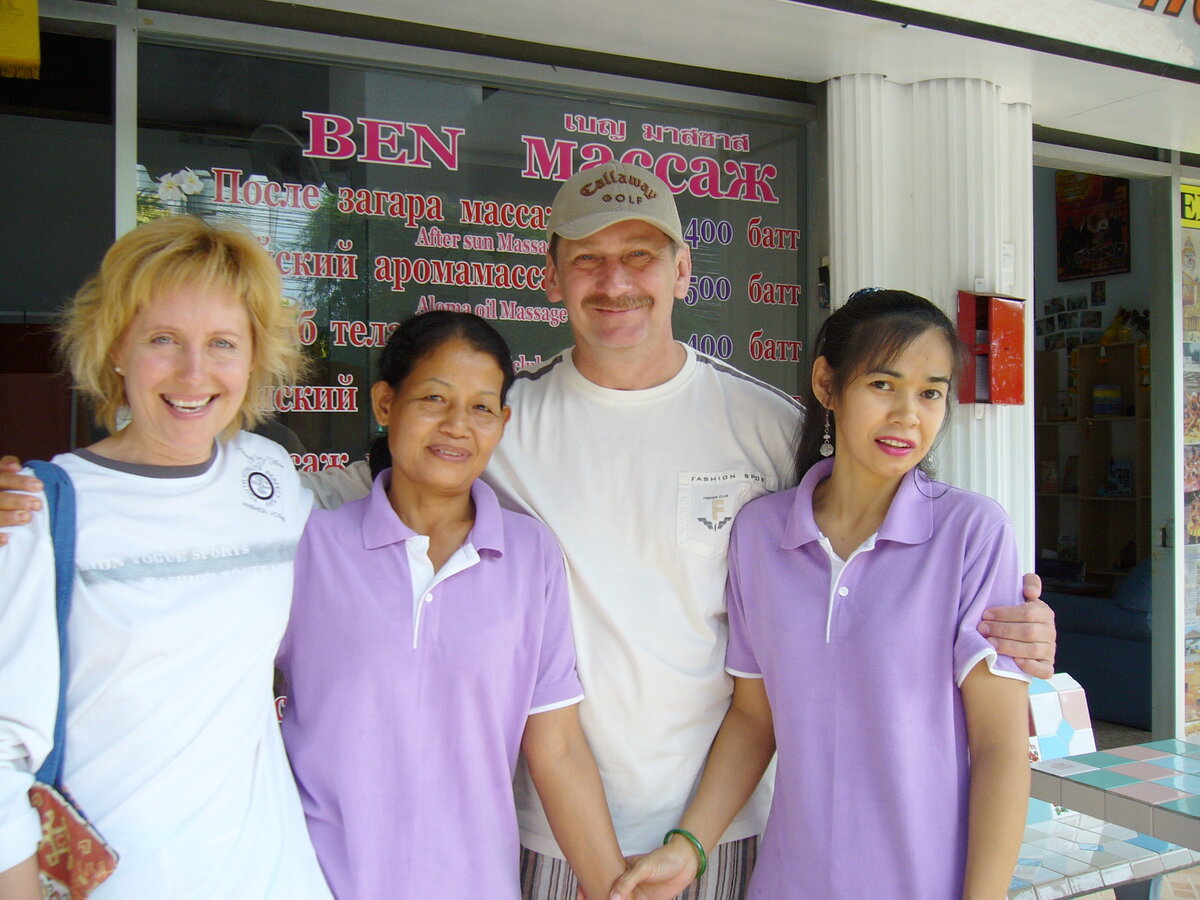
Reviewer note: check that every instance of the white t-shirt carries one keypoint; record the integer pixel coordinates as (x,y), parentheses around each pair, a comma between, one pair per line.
(182,591)
(640,487)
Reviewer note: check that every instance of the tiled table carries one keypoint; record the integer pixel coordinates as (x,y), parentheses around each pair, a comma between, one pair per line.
(1072,855)
(1152,788)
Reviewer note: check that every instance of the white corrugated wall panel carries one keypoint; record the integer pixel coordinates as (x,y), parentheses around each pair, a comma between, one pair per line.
(928,183)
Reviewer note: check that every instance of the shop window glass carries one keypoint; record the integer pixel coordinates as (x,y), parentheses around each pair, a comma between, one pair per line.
(56,174)
(384,194)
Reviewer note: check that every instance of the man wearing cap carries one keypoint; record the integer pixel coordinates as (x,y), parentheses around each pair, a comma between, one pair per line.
(638,452)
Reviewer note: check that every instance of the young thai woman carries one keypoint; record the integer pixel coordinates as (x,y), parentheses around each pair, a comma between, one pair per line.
(899,775)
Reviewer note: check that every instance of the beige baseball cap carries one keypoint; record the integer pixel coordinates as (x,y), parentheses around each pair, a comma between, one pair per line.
(603,195)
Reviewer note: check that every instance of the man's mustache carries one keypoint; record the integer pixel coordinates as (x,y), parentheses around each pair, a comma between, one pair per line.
(619,302)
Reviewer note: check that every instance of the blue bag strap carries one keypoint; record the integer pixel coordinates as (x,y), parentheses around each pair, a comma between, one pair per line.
(60,502)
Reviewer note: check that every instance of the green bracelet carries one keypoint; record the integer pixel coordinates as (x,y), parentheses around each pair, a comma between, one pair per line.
(695,842)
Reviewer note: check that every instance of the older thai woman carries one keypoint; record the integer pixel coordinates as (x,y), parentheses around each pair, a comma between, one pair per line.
(187,527)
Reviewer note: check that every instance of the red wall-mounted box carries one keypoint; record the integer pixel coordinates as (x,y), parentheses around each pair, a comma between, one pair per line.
(993,328)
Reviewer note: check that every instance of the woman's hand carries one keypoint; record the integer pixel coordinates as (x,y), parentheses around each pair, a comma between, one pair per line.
(659,875)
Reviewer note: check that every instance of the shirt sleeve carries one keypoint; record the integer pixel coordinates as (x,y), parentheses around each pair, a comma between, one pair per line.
(739,654)
(28,679)
(333,487)
(557,683)
(991,577)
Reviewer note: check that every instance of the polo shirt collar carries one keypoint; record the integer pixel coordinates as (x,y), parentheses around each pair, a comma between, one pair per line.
(381,526)
(909,519)
(488,531)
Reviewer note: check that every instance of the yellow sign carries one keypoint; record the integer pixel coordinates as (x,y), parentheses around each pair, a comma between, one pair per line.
(20,51)
(1189,205)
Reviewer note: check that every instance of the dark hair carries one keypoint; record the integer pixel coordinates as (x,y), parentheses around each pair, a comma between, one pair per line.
(418,337)
(867,333)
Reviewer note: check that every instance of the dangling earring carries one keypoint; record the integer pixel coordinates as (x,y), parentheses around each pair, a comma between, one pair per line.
(930,462)
(827,440)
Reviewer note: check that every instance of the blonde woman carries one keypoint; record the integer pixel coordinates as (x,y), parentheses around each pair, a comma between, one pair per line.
(187,527)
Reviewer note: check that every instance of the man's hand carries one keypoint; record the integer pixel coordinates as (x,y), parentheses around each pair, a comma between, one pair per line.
(1026,632)
(15,509)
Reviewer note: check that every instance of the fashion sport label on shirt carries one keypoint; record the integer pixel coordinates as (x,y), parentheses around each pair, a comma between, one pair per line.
(708,501)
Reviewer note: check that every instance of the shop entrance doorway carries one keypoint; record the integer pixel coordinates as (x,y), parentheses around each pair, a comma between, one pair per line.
(1103,275)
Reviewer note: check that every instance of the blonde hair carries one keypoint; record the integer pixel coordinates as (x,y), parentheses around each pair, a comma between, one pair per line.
(161,257)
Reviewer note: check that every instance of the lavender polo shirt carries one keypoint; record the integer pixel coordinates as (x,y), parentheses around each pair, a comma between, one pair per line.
(862,676)
(404,739)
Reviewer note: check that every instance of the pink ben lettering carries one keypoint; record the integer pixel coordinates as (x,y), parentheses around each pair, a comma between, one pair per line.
(384,141)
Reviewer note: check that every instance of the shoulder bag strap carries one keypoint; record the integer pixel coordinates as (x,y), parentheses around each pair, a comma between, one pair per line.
(60,500)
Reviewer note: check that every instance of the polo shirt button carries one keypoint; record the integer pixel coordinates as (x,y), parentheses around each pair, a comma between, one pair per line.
(429,598)
(843,591)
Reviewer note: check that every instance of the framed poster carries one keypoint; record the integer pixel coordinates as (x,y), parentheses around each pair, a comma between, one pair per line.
(1092,225)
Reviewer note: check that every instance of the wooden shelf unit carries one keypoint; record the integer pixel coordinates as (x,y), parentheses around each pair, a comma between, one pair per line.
(1111,530)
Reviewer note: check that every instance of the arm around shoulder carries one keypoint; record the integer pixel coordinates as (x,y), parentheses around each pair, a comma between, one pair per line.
(333,487)
(18,495)
(1023,631)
